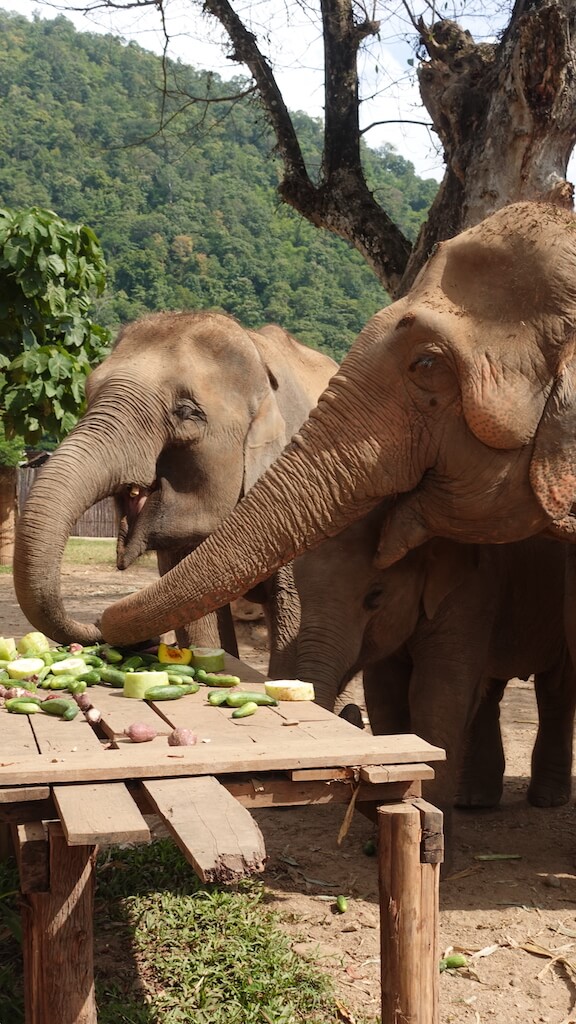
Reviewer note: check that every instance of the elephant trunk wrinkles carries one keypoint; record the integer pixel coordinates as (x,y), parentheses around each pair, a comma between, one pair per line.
(311,492)
(86,468)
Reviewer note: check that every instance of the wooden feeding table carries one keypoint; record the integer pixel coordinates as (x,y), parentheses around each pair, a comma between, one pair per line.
(66,789)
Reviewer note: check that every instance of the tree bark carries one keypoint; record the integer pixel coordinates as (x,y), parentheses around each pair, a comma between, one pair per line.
(8,477)
(506,116)
(504,112)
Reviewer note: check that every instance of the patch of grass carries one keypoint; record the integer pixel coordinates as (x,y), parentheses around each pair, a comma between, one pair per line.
(170,950)
(5,570)
(97,551)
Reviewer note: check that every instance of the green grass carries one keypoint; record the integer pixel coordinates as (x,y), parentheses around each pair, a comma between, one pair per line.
(97,551)
(170,950)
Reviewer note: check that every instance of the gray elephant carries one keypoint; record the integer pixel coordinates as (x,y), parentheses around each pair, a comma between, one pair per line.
(182,417)
(458,400)
(437,636)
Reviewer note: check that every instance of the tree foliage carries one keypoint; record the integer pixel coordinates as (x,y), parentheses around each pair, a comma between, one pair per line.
(188,216)
(50,272)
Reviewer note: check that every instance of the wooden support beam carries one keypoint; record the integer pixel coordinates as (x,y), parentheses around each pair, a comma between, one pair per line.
(216,834)
(408,915)
(57,938)
(32,854)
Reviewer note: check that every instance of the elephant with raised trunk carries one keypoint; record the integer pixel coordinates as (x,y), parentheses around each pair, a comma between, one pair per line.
(437,636)
(182,417)
(458,400)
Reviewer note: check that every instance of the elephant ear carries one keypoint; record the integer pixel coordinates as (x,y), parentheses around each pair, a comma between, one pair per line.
(448,565)
(553,465)
(265,439)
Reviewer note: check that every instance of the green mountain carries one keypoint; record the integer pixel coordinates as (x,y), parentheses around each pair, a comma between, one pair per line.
(185,206)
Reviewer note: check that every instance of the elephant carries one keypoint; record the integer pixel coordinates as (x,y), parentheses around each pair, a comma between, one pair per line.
(182,417)
(437,636)
(457,401)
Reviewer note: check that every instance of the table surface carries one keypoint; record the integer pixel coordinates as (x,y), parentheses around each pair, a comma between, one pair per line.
(67,788)
(40,749)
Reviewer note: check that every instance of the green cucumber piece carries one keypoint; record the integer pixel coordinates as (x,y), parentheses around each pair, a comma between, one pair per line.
(217,697)
(58,706)
(132,663)
(249,708)
(23,705)
(170,692)
(179,670)
(236,698)
(217,678)
(112,676)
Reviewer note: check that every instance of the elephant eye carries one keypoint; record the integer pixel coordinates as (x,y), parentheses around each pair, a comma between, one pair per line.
(425,361)
(186,409)
(372,598)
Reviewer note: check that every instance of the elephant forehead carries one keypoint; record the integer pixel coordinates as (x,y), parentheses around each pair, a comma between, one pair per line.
(517,265)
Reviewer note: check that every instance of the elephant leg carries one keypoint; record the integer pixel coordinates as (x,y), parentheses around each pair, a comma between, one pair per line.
(482,773)
(282,611)
(551,775)
(386,685)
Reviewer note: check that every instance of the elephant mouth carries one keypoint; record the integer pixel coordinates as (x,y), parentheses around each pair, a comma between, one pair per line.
(130,502)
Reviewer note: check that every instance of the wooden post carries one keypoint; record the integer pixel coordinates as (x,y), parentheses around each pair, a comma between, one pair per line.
(57,928)
(409,912)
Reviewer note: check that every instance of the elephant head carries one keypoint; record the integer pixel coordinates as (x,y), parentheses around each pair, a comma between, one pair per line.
(182,417)
(458,401)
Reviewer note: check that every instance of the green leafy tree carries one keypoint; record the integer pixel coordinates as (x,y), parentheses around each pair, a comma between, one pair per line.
(50,271)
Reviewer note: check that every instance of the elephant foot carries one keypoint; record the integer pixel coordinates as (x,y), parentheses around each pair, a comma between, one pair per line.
(479,793)
(549,793)
(351,713)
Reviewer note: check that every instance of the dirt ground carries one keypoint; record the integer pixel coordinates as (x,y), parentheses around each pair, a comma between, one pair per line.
(515,918)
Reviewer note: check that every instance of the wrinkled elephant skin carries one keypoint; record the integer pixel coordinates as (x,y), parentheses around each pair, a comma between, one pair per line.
(458,402)
(182,417)
(437,637)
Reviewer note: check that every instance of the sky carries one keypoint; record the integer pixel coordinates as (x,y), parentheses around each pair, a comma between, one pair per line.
(293,43)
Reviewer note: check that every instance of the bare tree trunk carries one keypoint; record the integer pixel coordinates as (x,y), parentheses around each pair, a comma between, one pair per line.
(8,476)
(505,114)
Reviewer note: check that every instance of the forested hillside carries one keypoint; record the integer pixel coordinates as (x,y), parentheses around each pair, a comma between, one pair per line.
(188,216)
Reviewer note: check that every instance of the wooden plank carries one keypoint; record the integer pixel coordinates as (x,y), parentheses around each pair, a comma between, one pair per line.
(16,736)
(284,793)
(215,833)
(16,794)
(210,724)
(55,736)
(322,774)
(31,846)
(28,810)
(395,772)
(118,712)
(57,941)
(99,814)
(135,760)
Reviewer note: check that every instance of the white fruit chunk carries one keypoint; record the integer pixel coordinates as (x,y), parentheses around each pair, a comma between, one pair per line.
(69,666)
(24,668)
(136,683)
(289,689)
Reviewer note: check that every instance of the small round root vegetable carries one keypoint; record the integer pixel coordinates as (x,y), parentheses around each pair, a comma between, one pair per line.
(182,738)
(139,732)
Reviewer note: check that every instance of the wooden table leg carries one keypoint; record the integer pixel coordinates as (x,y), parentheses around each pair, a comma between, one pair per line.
(57,927)
(409,912)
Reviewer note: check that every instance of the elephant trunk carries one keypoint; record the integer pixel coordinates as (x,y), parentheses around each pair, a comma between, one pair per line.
(313,490)
(88,466)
